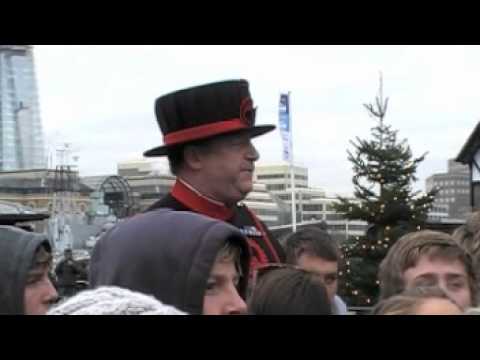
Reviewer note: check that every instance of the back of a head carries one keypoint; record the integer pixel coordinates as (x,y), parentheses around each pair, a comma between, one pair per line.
(289,291)
(410,301)
(468,235)
(311,241)
(113,301)
(407,251)
(17,256)
(167,254)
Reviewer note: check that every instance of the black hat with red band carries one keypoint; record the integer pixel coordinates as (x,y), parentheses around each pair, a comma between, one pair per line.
(205,111)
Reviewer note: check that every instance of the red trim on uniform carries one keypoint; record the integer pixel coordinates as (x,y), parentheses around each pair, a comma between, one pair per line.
(264,235)
(202,131)
(259,253)
(258,258)
(200,204)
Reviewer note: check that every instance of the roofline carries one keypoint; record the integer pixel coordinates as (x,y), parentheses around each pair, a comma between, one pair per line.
(473,143)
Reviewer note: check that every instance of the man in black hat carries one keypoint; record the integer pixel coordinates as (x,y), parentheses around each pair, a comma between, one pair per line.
(207,133)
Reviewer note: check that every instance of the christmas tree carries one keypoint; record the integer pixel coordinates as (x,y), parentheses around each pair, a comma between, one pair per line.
(384,171)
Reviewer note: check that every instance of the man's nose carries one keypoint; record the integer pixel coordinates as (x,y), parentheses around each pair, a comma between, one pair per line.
(236,305)
(253,154)
(51,294)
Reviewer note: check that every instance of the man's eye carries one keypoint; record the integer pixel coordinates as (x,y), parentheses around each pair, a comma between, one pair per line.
(457,285)
(33,279)
(211,285)
(425,282)
(329,279)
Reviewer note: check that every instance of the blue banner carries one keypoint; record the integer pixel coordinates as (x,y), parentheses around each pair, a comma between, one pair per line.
(284,126)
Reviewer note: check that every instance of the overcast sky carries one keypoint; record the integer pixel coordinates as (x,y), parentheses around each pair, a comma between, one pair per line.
(100,98)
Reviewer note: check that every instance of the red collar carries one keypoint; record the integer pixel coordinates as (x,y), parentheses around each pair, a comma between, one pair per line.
(199,203)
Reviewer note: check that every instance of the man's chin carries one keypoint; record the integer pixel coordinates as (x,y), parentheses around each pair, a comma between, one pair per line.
(246,189)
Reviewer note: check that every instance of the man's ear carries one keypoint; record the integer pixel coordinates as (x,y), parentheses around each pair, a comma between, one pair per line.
(192,156)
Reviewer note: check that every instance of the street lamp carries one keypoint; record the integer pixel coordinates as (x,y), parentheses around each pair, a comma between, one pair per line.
(470,155)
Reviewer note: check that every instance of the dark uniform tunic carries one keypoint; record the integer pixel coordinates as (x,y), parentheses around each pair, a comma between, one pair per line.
(264,248)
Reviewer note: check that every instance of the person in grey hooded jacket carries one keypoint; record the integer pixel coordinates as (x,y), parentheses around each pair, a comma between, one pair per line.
(25,260)
(195,263)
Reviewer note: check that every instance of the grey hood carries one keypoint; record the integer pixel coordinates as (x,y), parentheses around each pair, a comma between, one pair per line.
(17,249)
(167,254)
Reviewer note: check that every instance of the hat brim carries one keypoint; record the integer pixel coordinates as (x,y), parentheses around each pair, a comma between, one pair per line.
(253,132)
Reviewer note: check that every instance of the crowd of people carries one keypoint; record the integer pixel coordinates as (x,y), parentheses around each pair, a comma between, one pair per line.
(200,250)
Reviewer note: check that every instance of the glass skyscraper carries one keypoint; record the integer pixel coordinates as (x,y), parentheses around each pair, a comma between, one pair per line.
(21,137)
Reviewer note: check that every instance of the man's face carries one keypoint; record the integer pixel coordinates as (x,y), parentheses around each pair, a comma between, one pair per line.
(227,167)
(326,270)
(221,296)
(68,255)
(449,275)
(39,291)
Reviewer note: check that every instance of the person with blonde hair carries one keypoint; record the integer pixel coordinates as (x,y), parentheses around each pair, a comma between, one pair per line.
(468,235)
(418,301)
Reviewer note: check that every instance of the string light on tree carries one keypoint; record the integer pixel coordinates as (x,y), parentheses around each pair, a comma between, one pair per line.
(385,161)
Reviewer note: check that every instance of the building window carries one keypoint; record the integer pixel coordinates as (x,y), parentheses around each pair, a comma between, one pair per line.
(276,187)
(271,176)
(330,207)
(310,207)
(334,217)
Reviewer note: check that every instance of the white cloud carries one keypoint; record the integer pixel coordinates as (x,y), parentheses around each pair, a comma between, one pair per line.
(101,98)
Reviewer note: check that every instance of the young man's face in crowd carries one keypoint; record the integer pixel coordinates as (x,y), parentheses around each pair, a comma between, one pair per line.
(228,165)
(39,291)
(221,296)
(325,269)
(450,275)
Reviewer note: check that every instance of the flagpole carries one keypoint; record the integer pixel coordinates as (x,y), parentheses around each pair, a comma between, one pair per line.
(292,175)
